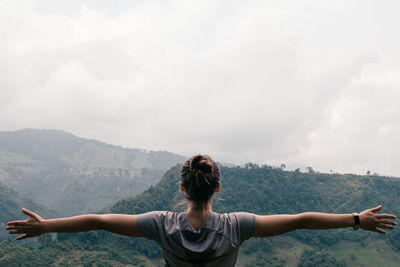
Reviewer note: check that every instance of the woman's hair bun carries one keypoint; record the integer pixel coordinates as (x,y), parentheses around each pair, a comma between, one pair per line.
(200,178)
(201,163)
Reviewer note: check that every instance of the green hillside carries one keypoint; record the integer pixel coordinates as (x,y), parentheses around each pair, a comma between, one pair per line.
(263,190)
(74,175)
(267,190)
(11,205)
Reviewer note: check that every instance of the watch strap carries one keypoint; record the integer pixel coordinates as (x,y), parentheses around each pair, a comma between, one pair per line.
(356,221)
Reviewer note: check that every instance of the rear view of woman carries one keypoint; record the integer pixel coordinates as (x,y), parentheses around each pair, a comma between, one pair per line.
(199,236)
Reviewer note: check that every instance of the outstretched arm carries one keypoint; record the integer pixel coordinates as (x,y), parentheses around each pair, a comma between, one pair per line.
(35,225)
(370,220)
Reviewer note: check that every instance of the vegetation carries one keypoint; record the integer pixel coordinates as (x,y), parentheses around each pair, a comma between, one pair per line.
(262,190)
(10,209)
(12,254)
(62,171)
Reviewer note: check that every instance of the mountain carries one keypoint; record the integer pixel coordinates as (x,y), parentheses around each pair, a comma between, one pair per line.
(74,175)
(34,252)
(262,190)
(268,190)
(11,205)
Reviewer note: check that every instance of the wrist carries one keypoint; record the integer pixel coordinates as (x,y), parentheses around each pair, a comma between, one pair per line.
(45,226)
(356,224)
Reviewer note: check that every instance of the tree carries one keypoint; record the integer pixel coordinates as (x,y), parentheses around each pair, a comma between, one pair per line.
(251,165)
(310,169)
(283,166)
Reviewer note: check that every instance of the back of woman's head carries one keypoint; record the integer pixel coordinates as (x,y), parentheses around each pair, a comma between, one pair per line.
(200,178)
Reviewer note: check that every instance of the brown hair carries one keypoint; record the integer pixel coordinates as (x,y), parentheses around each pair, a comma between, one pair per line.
(200,178)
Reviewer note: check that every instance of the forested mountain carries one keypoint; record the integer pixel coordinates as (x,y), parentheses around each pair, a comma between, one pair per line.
(11,205)
(268,190)
(262,190)
(74,175)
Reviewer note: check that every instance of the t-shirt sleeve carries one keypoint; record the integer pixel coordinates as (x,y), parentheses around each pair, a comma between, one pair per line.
(149,224)
(246,223)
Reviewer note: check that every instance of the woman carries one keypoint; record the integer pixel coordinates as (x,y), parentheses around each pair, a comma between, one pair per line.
(199,236)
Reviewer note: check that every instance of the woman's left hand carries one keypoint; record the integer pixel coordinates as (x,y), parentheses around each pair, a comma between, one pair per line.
(31,227)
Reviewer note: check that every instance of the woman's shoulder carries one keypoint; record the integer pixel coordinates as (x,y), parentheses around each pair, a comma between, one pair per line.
(234,215)
(161,214)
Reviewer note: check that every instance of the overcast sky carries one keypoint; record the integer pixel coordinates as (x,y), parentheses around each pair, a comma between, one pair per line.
(305,83)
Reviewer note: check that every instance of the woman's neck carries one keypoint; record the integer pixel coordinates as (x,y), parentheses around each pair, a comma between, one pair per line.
(198,212)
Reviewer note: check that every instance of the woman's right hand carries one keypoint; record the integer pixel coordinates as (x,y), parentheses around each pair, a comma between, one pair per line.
(370,220)
(33,226)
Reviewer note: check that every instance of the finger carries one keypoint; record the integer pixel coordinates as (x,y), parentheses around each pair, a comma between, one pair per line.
(22,237)
(17,231)
(18,227)
(29,213)
(17,223)
(379,231)
(387,222)
(385,226)
(376,209)
(14,226)
(386,216)
(13,232)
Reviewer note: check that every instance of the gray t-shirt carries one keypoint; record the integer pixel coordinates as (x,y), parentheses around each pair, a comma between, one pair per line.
(215,243)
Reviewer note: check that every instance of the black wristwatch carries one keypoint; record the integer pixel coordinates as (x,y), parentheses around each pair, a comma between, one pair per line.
(356,221)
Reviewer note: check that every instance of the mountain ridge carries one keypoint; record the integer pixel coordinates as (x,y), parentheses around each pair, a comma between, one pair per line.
(49,166)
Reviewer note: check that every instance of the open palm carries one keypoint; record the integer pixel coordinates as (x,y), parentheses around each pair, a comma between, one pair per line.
(27,228)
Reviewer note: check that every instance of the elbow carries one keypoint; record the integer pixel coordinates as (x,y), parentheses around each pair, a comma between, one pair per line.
(105,222)
(301,221)
(98,222)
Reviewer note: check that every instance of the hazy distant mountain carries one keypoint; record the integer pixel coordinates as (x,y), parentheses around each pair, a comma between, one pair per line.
(74,175)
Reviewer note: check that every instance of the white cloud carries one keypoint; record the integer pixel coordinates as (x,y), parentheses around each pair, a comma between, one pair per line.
(362,129)
(256,81)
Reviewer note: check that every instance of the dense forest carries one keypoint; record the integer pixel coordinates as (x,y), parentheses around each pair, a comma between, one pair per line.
(252,188)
